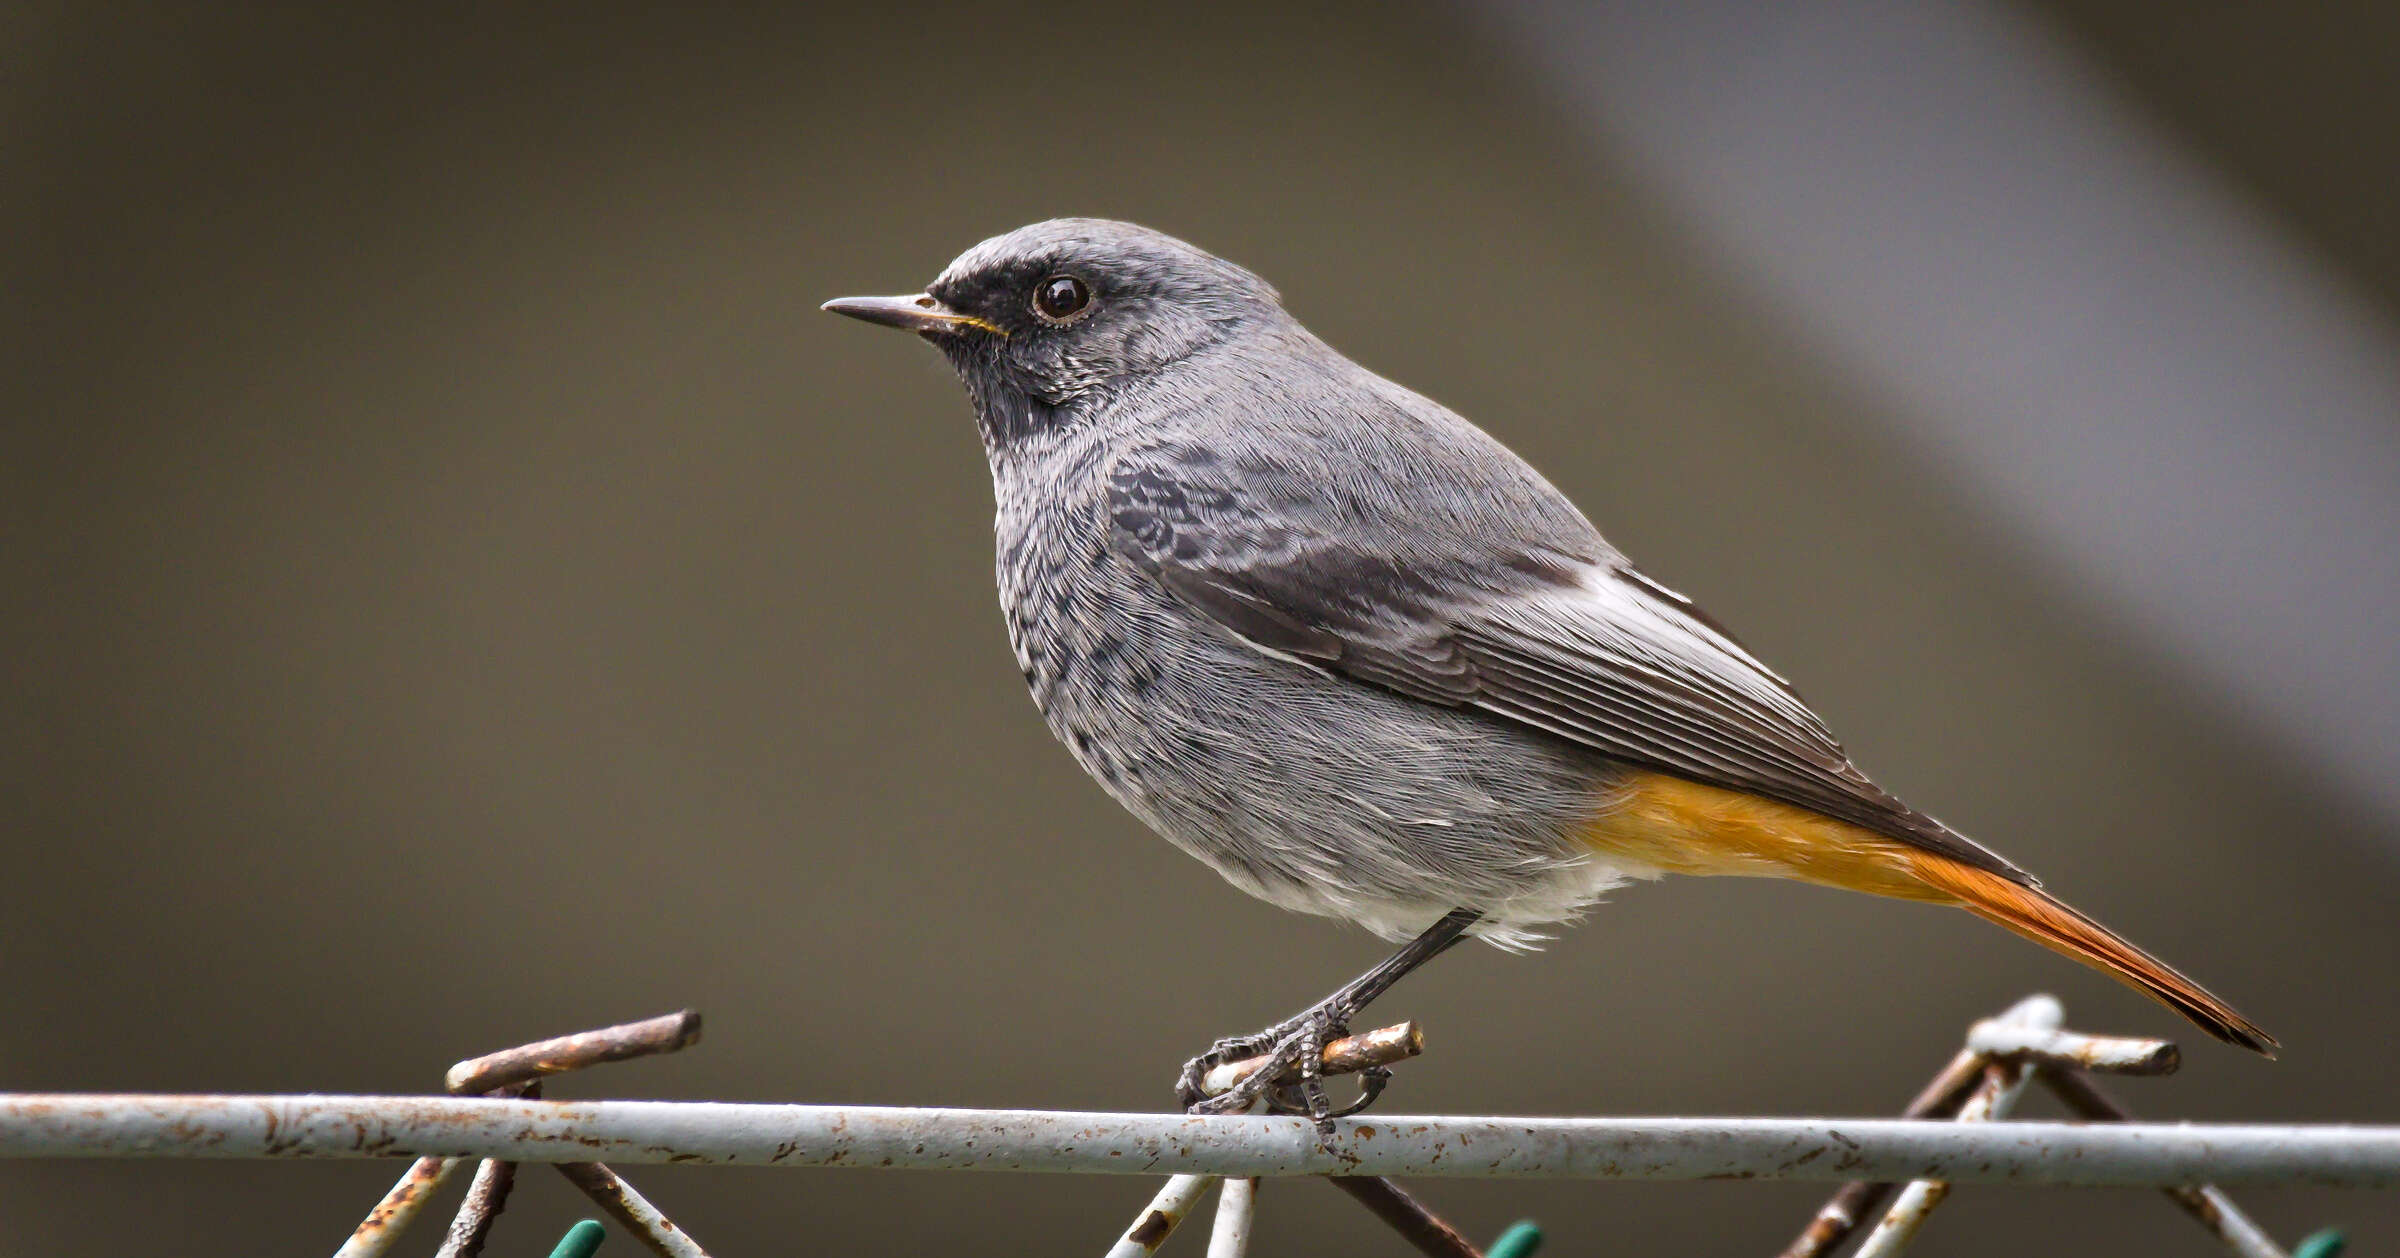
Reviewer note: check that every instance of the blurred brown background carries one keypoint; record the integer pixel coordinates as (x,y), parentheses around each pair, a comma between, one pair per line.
(459,589)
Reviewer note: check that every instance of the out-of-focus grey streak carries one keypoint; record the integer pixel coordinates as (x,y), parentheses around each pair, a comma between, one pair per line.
(2168,399)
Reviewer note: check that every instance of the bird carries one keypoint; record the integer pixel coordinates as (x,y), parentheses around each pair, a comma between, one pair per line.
(1362,660)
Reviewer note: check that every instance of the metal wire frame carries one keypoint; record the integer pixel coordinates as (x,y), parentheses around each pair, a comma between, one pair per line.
(505,1126)
(518,1073)
(2116,1155)
(1981,1084)
(2003,1083)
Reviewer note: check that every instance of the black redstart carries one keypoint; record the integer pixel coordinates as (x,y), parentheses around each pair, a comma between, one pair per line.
(1360,659)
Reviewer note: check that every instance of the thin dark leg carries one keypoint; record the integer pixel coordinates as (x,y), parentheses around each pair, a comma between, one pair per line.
(1438,938)
(1298,1042)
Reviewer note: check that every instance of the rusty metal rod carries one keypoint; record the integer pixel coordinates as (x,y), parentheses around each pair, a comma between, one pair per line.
(1408,1216)
(486,1197)
(493,1071)
(1941,1097)
(2204,1202)
(2121,1155)
(400,1207)
(1343,1056)
(1841,1214)
(487,1194)
(2108,1054)
(631,1210)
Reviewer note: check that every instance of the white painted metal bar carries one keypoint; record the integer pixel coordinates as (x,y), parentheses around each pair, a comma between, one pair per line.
(1237,1209)
(2126,1155)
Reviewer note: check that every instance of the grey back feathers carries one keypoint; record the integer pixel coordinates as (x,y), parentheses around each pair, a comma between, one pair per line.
(1322,632)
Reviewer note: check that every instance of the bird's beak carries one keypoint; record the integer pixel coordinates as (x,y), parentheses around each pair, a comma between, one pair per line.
(918,312)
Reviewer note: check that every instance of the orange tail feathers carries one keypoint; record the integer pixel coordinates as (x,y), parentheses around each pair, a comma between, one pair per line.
(2053,925)
(1682,827)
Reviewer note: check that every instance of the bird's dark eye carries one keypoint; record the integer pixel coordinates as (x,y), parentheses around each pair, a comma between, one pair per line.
(1060,297)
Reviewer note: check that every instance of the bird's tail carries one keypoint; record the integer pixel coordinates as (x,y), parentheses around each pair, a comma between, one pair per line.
(2046,921)
(1682,827)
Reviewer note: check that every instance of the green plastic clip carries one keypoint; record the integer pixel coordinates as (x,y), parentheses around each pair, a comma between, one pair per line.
(1523,1238)
(2326,1244)
(580,1240)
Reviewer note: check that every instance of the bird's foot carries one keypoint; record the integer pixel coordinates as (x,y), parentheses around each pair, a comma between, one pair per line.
(1291,1081)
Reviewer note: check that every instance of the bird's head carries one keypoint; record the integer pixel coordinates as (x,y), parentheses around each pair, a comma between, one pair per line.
(1051,322)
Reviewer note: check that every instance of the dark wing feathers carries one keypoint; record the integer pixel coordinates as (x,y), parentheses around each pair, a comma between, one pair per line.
(1565,638)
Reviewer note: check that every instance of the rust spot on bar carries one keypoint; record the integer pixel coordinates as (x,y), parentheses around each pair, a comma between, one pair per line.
(1153,1230)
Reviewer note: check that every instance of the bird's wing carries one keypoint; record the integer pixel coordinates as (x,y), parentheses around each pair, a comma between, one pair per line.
(1563,636)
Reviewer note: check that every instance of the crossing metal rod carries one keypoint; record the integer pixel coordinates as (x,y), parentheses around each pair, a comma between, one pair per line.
(632,1210)
(2004,1082)
(486,1196)
(2127,1155)
(375,1236)
(2214,1210)
(666,1033)
(1174,1203)
(1855,1201)
(1426,1231)
(1237,1215)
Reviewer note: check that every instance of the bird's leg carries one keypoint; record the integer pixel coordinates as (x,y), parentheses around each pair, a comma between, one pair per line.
(1297,1044)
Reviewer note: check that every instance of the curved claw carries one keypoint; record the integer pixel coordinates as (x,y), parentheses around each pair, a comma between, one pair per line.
(1293,1098)
(1188,1092)
(1371,1083)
